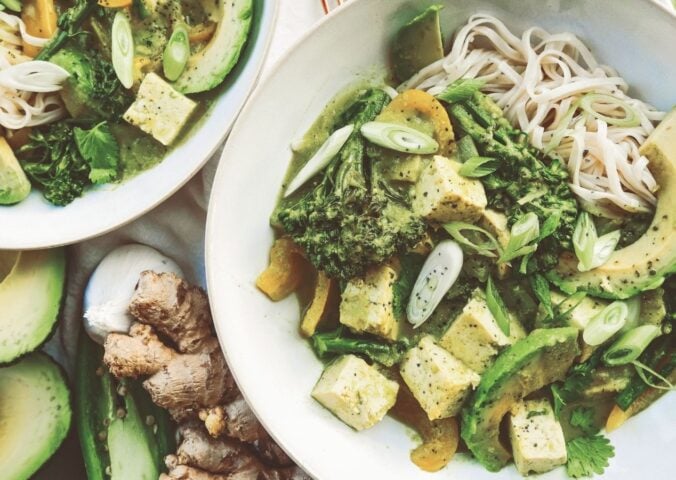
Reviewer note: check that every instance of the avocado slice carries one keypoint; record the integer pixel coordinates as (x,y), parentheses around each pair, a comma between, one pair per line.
(207,68)
(30,299)
(644,264)
(129,446)
(35,414)
(14,185)
(417,44)
(541,358)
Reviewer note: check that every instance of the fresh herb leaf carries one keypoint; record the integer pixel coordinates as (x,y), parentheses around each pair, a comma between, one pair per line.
(497,307)
(99,148)
(588,455)
(558,394)
(578,379)
(583,418)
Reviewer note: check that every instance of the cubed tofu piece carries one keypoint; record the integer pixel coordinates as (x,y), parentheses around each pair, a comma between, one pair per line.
(355,392)
(159,109)
(439,381)
(475,338)
(496,223)
(366,303)
(537,438)
(442,195)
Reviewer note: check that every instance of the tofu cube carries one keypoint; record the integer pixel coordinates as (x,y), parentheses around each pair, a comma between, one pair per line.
(496,223)
(442,195)
(366,303)
(537,438)
(159,109)
(475,338)
(355,392)
(438,381)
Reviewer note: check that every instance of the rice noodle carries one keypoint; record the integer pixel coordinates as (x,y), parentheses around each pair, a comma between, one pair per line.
(27,87)
(552,87)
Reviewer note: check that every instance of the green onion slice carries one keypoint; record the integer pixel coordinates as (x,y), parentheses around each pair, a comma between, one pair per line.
(486,248)
(466,149)
(476,167)
(606,324)
(176,53)
(321,158)
(438,274)
(461,90)
(399,138)
(604,248)
(584,239)
(633,313)
(631,345)
(13,5)
(630,117)
(524,231)
(642,368)
(497,307)
(123,49)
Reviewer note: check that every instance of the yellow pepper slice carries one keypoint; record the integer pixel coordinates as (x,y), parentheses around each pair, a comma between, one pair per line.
(115,3)
(40,19)
(286,270)
(324,296)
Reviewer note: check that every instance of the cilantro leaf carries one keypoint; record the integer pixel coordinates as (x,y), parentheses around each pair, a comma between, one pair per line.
(583,418)
(579,378)
(588,455)
(99,148)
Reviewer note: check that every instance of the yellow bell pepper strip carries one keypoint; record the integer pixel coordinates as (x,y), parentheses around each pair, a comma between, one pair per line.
(287,268)
(115,3)
(325,295)
(40,19)
(415,108)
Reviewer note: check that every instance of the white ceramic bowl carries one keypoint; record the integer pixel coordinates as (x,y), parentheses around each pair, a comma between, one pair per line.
(273,365)
(35,223)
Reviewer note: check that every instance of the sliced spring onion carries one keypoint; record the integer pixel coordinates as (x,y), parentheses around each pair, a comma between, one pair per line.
(461,90)
(543,293)
(321,158)
(607,323)
(399,138)
(524,231)
(630,118)
(13,5)
(476,167)
(497,307)
(631,345)
(485,248)
(176,53)
(642,368)
(123,49)
(466,149)
(526,199)
(604,248)
(584,239)
(633,313)
(438,274)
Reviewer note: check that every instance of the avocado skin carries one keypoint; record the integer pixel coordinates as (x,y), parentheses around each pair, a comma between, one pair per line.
(541,358)
(644,264)
(417,44)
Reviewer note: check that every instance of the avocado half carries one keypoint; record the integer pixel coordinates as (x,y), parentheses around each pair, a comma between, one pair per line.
(207,68)
(541,358)
(31,291)
(644,264)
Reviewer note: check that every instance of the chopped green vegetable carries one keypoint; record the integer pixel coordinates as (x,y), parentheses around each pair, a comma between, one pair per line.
(497,307)
(579,378)
(466,149)
(607,323)
(410,265)
(631,345)
(69,24)
(540,287)
(176,53)
(399,138)
(523,233)
(327,345)
(123,49)
(13,5)
(477,167)
(351,220)
(588,455)
(476,239)
(583,418)
(461,90)
(99,148)
(584,239)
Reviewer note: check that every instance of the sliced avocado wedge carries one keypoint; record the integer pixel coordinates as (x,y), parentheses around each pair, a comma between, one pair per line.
(207,68)
(35,415)
(14,185)
(644,264)
(417,44)
(541,358)
(30,299)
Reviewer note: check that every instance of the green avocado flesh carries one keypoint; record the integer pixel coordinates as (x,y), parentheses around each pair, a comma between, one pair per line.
(541,358)
(207,68)
(644,264)
(31,290)
(417,44)
(35,415)
(14,185)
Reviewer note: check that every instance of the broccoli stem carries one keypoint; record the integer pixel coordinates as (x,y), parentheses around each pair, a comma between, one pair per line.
(335,343)
(69,23)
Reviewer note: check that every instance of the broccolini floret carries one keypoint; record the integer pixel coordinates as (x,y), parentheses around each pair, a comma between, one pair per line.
(330,344)
(351,220)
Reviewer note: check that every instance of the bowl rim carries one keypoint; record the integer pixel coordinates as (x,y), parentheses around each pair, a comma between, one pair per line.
(268,19)
(224,166)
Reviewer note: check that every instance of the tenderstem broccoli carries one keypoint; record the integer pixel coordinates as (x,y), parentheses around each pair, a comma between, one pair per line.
(337,342)
(351,220)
